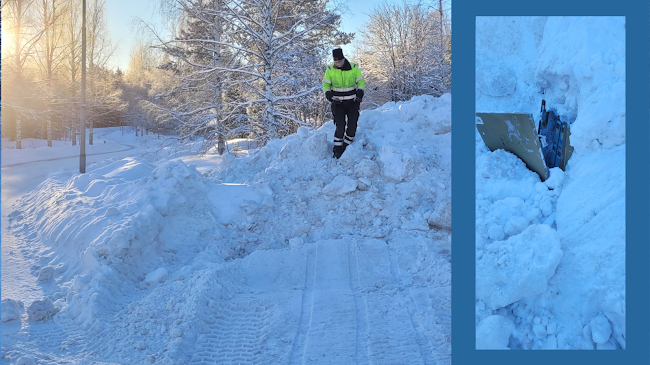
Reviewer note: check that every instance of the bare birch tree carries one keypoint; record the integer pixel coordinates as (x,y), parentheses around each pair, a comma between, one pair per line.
(50,53)
(405,51)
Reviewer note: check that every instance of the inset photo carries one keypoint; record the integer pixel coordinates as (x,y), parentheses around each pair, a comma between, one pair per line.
(550,183)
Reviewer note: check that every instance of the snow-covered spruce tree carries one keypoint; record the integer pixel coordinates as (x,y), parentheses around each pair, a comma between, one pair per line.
(257,60)
(194,102)
(302,66)
(405,51)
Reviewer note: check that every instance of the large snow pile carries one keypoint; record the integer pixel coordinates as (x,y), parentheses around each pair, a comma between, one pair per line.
(562,287)
(144,257)
(398,168)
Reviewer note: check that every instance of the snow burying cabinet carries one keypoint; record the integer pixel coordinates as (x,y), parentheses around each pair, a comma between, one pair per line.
(540,149)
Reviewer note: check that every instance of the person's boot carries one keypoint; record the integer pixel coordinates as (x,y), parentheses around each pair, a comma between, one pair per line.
(338,151)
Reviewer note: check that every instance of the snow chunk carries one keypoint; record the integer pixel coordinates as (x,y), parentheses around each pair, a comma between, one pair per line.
(46,274)
(25,360)
(416,224)
(493,333)
(364,184)
(496,233)
(556,179)
(317,145)
(303,132)
(157,276)
(395,164)
(519,267)
(10,310)
(112,212)
(540,330)
(441,217)
(41,310)
(340,186)
(176,332)
(516,225)
(600,329)
(365,168)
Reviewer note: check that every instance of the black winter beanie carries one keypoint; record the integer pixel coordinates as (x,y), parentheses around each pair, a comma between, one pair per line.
(337,54)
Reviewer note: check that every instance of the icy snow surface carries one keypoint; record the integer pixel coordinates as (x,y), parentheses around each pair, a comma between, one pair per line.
(281,255)
(563,286)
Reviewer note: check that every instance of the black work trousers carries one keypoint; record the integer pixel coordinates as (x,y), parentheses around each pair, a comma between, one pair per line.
(344,136)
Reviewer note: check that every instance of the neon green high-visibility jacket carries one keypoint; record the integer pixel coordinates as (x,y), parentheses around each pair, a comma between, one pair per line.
(343,83)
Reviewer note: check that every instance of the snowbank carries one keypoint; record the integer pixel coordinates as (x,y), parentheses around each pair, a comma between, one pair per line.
(396,173)
(141,252)
(577,65)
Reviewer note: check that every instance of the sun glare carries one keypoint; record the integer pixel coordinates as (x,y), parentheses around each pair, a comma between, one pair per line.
(7,39)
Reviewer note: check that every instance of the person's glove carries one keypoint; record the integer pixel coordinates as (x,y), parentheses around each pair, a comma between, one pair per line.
(328,96)
(360,95)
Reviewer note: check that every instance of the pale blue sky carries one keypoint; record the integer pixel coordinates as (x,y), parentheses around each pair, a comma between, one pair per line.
(122,28)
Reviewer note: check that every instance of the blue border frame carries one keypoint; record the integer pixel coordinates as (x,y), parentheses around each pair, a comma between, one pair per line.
(637,42)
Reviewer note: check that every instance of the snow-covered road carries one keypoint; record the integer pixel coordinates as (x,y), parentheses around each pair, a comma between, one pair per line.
(112,151)
(332,302)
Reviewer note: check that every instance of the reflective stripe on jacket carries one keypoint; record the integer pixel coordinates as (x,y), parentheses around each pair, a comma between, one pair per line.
(343,84)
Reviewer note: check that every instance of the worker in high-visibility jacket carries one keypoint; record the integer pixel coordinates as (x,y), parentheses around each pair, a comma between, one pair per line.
(343,85)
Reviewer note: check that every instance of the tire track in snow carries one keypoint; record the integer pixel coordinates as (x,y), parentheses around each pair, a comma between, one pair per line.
(426,349)
(331,334)
(362,355)
(235,334)
(391,336)
(307,308)
(54,338)
(429,316)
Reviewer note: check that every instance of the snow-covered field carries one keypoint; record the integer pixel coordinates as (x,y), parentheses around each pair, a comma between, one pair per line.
(550,256)
(280,255)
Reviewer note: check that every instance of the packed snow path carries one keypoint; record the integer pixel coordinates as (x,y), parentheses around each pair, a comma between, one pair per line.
(332,302)
(286,256)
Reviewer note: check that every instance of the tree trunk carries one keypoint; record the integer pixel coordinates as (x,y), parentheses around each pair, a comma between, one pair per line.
(90,136)
(73,132)
(268,74)
(49,131)
(17,31)
(221,145)
(218,92)
(18,133)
